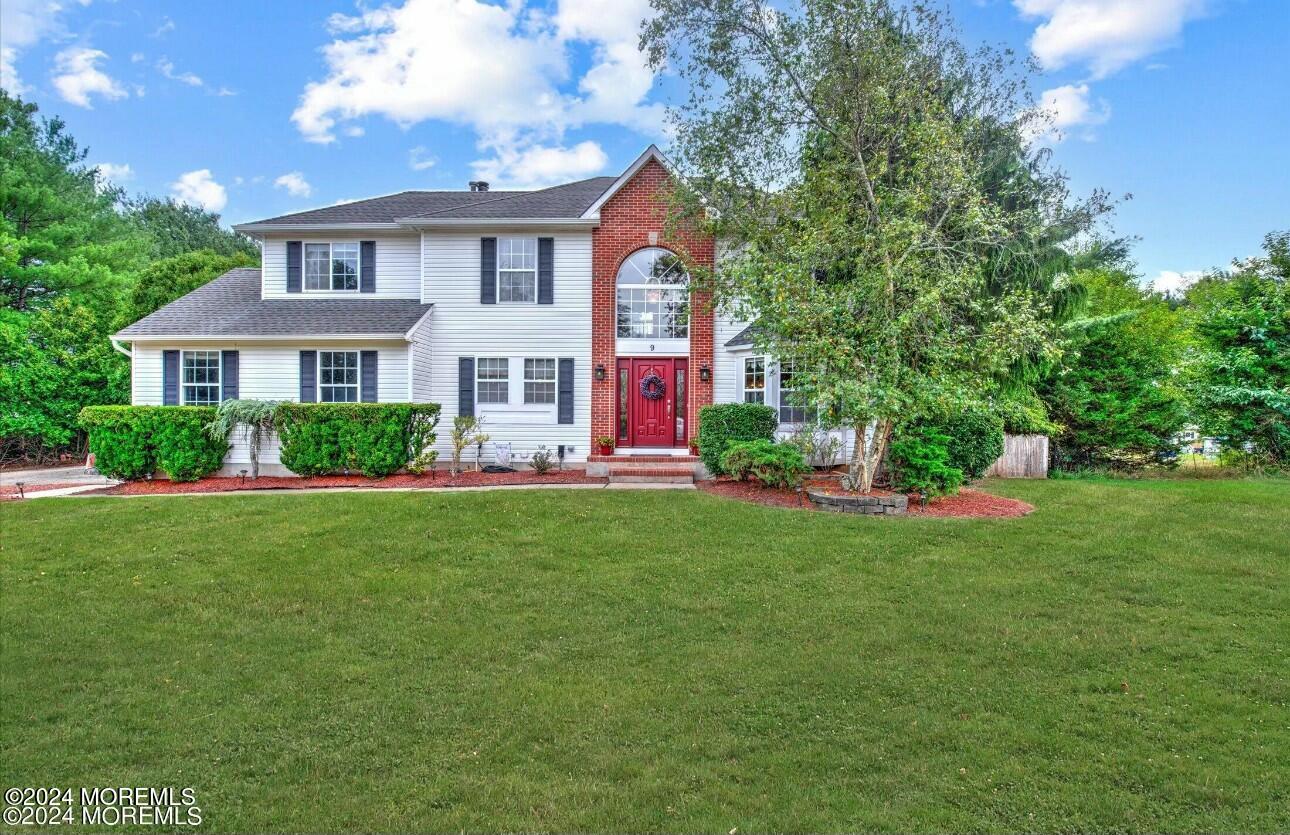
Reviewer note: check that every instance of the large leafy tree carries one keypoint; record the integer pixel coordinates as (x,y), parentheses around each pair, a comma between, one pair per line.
(59,231)
(1114,398)
(1239,376)
(161,282)
(175,228)
(874,231)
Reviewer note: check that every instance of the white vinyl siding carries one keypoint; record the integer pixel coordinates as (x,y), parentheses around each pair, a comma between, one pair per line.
(398,270)
(462,327)
(270,372)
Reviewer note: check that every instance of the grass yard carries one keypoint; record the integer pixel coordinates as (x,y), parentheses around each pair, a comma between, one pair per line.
(601,660)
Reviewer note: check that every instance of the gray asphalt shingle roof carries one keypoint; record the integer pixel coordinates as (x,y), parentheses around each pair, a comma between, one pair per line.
(744,337)
(231,306)
(568,200)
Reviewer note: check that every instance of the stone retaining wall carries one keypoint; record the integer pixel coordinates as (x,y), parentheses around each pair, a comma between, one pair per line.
(874,505)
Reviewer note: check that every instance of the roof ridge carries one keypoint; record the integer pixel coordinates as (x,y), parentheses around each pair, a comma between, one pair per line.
(515,194)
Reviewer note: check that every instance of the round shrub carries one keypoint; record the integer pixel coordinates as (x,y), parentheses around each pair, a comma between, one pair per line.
(920,461)
(724,423)
(975,440)
(121,440)
(774,465)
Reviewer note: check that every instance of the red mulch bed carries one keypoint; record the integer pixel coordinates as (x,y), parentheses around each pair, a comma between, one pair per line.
(232,484)
(11,492)
(968,504)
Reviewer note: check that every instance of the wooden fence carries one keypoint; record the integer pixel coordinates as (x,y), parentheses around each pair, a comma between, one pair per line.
(1024,456)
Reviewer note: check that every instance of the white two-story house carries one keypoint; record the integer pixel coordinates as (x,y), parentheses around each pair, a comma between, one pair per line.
(558,316)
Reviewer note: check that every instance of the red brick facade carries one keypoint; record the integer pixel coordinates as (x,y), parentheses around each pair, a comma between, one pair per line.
(626,221)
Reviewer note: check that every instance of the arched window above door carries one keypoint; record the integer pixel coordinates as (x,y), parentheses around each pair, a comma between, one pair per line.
(653,296)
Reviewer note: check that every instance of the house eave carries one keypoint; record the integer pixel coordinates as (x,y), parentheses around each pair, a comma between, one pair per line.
(397,336)
(485,222)
(306,228)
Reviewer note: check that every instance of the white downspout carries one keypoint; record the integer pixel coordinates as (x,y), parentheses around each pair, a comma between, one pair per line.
(121,349)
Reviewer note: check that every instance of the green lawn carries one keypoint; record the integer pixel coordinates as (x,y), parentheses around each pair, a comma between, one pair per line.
(559,660)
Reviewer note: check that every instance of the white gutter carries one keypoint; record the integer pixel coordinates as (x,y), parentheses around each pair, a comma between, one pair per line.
(121,349)
(251,228)
(235,337)
(477,222)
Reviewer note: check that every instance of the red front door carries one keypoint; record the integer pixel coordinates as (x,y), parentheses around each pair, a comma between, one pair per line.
(651,419)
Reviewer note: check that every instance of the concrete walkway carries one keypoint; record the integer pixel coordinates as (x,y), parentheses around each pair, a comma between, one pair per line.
(73,474)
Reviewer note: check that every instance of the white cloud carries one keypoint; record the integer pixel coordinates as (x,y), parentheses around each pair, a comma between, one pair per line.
(77,76)
(22,24)
(198,188)
(136,57)
(167,68)
(113,173)
(1069,107)
(537,166)
(1106,35)
(423,60)
(419,159)
(295,184)
(1174,283)
(166,26)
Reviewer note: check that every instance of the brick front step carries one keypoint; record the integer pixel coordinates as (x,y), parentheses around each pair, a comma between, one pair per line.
(643,459)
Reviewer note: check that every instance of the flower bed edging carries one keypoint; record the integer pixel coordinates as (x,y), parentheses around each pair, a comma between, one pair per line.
(872,505)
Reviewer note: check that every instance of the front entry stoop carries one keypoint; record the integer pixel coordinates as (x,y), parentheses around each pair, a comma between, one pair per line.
(657,472)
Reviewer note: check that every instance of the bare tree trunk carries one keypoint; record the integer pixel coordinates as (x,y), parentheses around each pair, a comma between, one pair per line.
(867,453)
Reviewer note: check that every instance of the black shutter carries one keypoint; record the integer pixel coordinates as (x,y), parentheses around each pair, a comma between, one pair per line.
(487,271)
(308,376)
(546,270)
(367,266)
(228,375)
(367,376)
(295,263)
(466,386)
(564,391)
(170,378)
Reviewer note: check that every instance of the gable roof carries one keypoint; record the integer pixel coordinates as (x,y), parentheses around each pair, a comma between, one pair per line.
(231,306)
(650,153)
(566,201)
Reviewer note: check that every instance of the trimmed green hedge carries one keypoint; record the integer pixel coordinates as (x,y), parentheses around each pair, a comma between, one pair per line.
(724,423)
(133,442)
(374,439)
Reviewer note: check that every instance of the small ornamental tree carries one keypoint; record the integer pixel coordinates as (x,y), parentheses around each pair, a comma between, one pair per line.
(846,152)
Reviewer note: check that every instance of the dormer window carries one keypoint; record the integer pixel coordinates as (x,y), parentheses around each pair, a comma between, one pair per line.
(331,266)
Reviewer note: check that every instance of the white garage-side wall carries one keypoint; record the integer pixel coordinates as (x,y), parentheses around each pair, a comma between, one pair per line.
(397,265)
(462,326)
(267,372)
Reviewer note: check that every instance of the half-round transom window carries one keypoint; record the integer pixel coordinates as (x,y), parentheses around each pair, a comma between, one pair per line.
(653,296)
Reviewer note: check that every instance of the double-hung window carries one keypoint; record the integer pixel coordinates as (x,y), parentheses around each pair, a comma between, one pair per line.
(539,380)
(338,376)
(754,379)
(331,266)
(201,378)
(492,376)
(517,269)
(790,408)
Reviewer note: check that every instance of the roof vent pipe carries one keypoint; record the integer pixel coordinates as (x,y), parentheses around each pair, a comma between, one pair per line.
(479,185)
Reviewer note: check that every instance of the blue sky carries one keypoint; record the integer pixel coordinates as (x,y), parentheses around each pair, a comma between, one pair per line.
(254,109)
